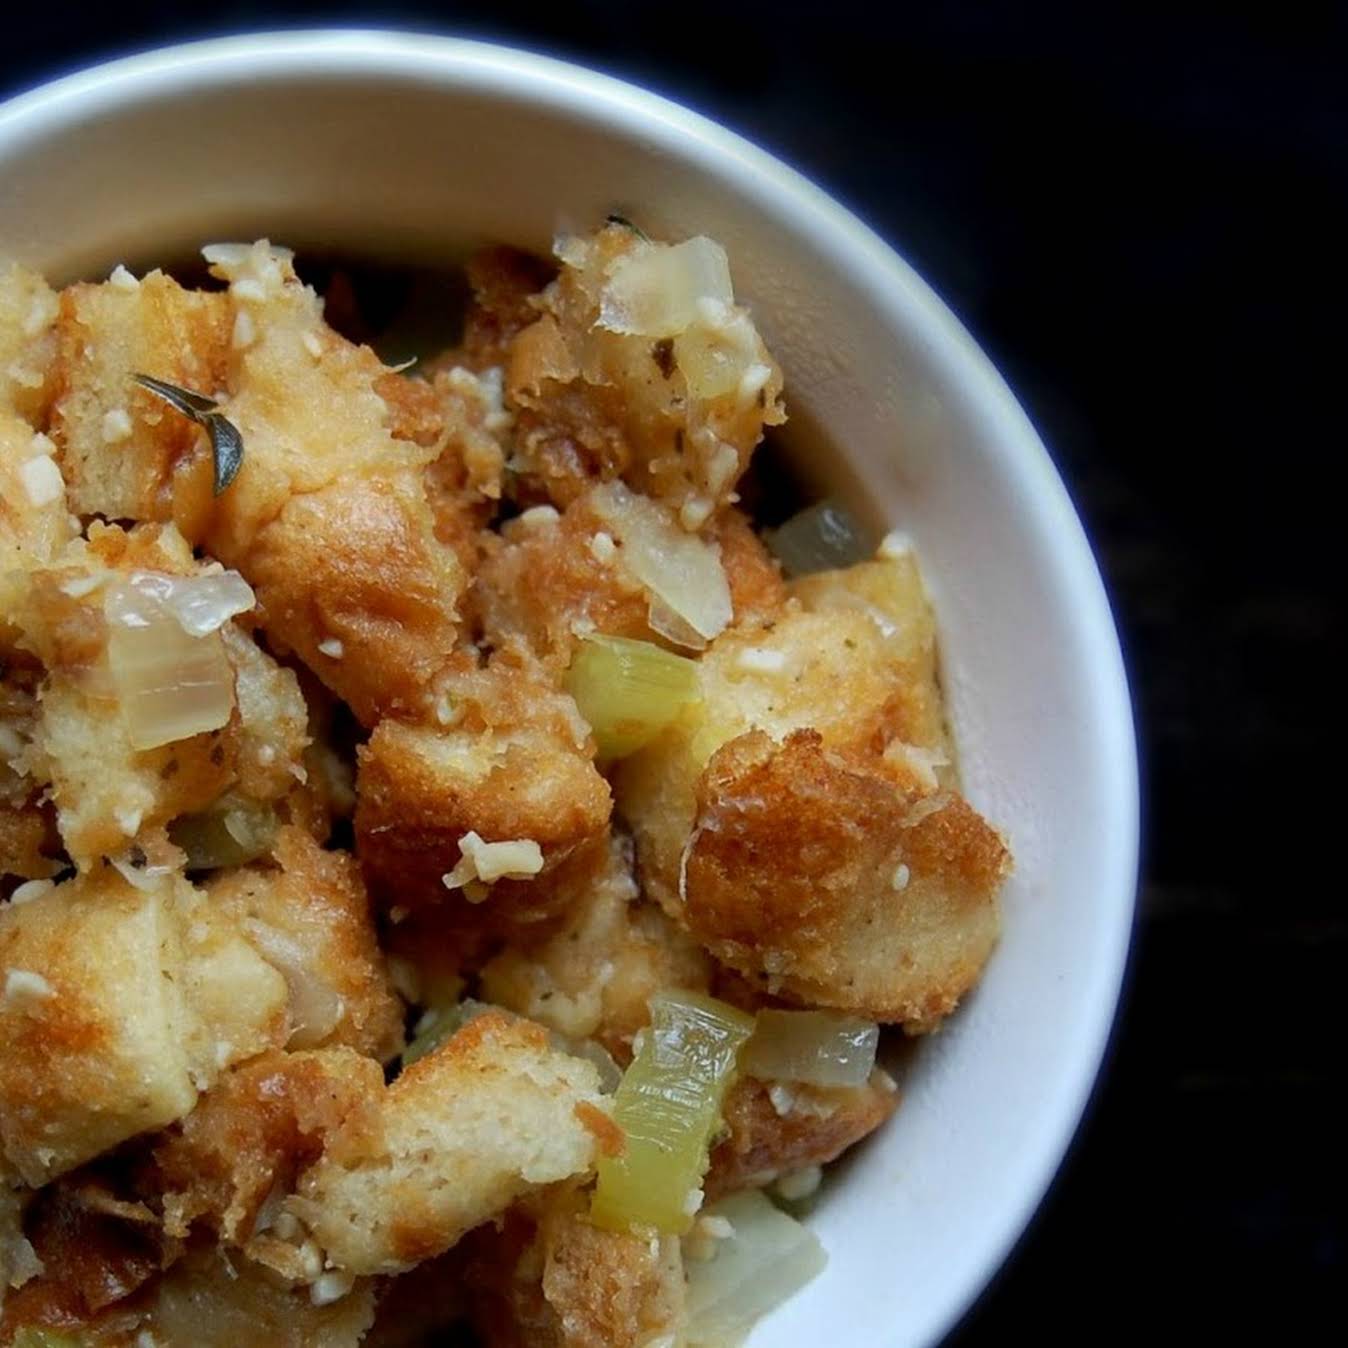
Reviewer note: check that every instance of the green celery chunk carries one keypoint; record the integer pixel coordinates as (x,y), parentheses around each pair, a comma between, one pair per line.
(629,691)
(669,1105)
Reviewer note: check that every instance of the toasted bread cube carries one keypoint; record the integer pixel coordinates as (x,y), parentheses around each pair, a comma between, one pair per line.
(830,671)
(310,917)
(552,580)
(28,310)
(675,409)
(353,579)
(107,793)
(122,1001)
(34,517)
(855,878)
(543,1277)
(774,1131)
(94,1022)
(127,454)
(820,878)
(516,765)
(594,977)
(488,1116)
(254,1131)
(213,1299)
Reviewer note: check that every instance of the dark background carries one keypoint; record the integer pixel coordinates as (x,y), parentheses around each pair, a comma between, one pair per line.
(1140,212)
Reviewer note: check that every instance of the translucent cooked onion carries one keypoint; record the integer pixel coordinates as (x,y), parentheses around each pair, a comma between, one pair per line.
(171,684)
(315,1006)
(658,290)
(768,1258)
(628,690)
(715,356)
(232,832)
(820,1048)
(678,568)
(668,1105)
(820,538)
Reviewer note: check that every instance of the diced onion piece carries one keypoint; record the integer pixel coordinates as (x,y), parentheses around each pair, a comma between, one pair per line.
(654,291)
(232,832)
(171,684)
(678,568)
(820,538)
(668,624)
(206,603)
(143,877)
(668,1105)
(629,690)
(820,1048)
(315,1006)
(769,1258)
(715,357)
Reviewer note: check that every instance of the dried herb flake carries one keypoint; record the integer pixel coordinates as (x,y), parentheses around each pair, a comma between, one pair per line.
(226,442)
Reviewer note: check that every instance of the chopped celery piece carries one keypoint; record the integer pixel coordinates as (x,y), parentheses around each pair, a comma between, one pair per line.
(821,1048)
(768,1257)
(669,1104)
(821,537)
(629,690)
(31,1337)
(232,832)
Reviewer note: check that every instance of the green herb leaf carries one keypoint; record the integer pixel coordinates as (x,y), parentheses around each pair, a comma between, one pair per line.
(226,442)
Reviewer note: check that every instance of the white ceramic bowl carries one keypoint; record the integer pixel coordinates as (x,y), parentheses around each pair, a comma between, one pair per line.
(421,146)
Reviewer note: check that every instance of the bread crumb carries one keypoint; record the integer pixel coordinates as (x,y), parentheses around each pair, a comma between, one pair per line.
(42,480)
(25,988)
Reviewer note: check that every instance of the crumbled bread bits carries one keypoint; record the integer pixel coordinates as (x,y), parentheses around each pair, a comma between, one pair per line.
(894,545)
(116,426)
(121,279)
(313,345)
(42,481)
(757,661)
(329,1287)
(24,988)
(30,890)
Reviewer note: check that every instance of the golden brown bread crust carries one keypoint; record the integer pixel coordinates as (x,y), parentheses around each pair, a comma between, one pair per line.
(106,335)
(792,877)
(310,907)
(358,564)
(28,311)
(593,404)
(543,1277)
(253,1133)
(443,1162)
(515,764)
(595,975)
(816,1127)
(29,842)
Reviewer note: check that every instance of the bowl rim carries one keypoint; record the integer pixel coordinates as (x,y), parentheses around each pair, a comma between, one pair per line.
(843,240)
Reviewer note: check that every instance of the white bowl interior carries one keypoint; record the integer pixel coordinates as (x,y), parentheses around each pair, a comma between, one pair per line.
(421,147)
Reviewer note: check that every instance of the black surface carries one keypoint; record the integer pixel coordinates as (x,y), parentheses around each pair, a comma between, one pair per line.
(1140,213)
